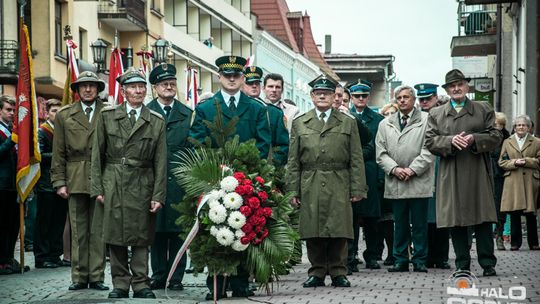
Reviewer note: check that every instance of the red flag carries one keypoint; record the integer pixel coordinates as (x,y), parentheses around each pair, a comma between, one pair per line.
(72,74)
(115,69)
(191,87)
(26,121)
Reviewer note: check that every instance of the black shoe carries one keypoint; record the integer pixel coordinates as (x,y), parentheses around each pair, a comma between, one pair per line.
(78,286)
(64,263)
(155,284)
(98,286)
(210,296)
(349,271)
(189,270)
(118,293)
(242,293)
(353,267)
(176,286)
(341,281)
(145,293)
(372,265)
(489,271)
(46,265)
(419,268)
(443,265)
(389,262)
(399,268)
(313,281)
(463,269)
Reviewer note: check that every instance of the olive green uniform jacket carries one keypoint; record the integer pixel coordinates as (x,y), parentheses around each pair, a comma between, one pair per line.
(325,169)
(278,132)
(129,167)
(177,126)
(252,123)
(72,148)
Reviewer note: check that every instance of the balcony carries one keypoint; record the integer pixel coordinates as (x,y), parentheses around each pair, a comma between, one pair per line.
(9,61)
(476,30)
(124,15)
(471,2)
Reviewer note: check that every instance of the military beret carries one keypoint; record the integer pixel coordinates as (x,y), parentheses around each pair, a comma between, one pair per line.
(88,76)
(132,75)
(323,83)
(231,64)
(162,72)
(424,90)
(252,74)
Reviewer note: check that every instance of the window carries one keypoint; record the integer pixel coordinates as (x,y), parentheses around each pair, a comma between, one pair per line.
(58,41)
(83,42)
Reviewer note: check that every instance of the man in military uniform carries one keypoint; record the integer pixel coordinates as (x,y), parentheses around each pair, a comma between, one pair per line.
(70,176)
(273,89)
(369,211)
(438,238)
(252,124)
(325,154)
(51,208)
(177,118)
(278,130)
(129,180)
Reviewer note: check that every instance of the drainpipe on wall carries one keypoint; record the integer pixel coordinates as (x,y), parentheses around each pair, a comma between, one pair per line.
(388,79)
(499,90)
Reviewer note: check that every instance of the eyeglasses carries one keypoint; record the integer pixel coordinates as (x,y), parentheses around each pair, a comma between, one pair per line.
(167,84)
(360,95)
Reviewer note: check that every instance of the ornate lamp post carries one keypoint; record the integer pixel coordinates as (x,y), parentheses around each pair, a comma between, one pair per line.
(161,48)
(99,52)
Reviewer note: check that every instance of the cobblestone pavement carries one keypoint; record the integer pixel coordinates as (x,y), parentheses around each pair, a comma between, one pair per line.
(514,268)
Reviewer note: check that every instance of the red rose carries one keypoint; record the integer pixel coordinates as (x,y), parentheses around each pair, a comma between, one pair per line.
(244,240)
(259,180)
(245,210)
(259,212)
(262,221)
(252,220)
(257,241)
(262,195)
(239,176)
(258,228)
(248,189)
(254,202)
(246,182)
(267,211)
(251,235)
(247,228)
(240,190)
(264,234)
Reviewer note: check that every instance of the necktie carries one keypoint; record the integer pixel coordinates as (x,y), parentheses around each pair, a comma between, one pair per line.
(322,116)
(167,110)
(458,107)
(404,119)
(132,117)
(232,105)
(87,111)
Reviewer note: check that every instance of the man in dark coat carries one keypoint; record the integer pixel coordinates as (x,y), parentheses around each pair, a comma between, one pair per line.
(9,217)
(177,118)
(51,208)
(369,211)
(461,132)
(252,124)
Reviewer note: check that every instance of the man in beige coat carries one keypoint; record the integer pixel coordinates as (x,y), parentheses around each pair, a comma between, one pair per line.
(273,91)
(70,175)
(461,132)
(409,178)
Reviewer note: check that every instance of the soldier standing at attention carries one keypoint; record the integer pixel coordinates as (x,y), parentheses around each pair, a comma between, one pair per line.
(70,175)
(177,118)
(129,181)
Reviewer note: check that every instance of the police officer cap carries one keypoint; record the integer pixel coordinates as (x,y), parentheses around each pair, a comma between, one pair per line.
(88,76)
(253,74)
(361,87)
(424,90)
(162,72)
(132,75)
(231,64)
(323,83)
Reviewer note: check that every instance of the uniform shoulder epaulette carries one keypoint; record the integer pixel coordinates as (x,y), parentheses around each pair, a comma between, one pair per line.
(68,106)
(299,116)
(108,108)
(156,114)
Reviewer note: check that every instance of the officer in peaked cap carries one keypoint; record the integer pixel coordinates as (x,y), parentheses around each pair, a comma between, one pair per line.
(132,75)
(278,129)
(177,118)
(427,95)
(228,65)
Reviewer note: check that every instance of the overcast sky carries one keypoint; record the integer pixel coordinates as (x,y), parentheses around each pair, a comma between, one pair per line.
(417,32)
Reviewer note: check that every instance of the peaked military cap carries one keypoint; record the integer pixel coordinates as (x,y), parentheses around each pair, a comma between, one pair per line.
(323,83)
(88,76)
(164,71)
(231,64)
(453,76)
(252,74)
(361,87)
(132,75)
(424,90)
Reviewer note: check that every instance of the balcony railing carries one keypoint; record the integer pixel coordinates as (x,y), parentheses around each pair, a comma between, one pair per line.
(133,8)
(476,19)
(9,56)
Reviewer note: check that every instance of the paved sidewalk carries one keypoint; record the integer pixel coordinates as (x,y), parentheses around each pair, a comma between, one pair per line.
(521,268)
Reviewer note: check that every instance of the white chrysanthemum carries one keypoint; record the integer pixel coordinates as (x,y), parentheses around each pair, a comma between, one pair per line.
(238,246)
(213,230)
(216,194)
(229,183)
(218,214)
(236,220)
(225,236)
(239,234)
(213,203)
(233,201)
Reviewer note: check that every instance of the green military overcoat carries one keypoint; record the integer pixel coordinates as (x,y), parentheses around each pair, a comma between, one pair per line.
(252,123)
(177,126)
(72,147)
(278,132)
(326,168)
(129,167)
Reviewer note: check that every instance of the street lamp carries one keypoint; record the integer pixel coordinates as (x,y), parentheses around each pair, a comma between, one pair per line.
(161,48)
(99,52)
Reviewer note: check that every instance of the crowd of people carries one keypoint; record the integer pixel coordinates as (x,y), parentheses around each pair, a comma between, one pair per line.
(414,174)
